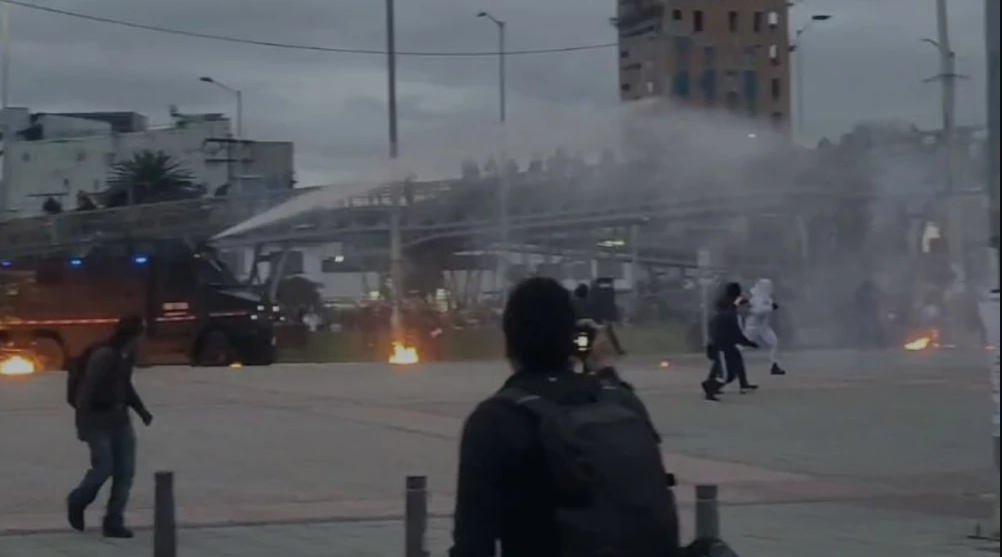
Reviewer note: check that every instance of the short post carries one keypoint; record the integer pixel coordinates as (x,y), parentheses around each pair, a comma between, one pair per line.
(707,512)
(416,516)
(164,523)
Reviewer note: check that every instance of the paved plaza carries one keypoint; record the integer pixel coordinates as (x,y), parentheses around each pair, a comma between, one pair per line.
(875,455)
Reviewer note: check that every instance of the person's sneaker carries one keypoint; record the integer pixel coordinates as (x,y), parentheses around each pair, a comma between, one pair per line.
(776,370)
(117,531)
(710,391)
(75,515)
(749,389)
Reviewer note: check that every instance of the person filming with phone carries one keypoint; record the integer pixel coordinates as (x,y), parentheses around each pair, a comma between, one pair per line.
(518,490)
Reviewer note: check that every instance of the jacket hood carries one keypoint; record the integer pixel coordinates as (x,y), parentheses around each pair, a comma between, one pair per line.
(762,289)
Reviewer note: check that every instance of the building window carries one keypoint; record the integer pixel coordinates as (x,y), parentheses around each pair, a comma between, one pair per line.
(625,87)
(680,85)
(676,15)
(777,89)
(751,87)
(697,21)
(757,19)
(709,86)
(624,54)
(732,22)
(749,56)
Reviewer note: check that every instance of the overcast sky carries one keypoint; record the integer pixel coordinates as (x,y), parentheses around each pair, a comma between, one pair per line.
(866,63)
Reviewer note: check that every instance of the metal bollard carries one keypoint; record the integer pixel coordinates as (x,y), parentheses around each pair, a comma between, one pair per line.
(707,512)
(416,516)
(164,523)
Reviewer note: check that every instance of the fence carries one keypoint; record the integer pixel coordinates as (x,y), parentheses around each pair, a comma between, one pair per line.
(415,515)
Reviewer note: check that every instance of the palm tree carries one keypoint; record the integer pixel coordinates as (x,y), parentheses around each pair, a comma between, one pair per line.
(150,177)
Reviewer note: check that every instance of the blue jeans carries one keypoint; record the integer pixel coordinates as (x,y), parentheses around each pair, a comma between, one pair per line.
(112,455)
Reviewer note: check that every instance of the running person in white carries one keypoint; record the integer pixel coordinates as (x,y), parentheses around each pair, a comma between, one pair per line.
(757,327)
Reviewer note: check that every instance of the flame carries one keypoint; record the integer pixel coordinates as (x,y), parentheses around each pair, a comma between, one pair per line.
(17,365)
(924,342)
(918,344)
(403,355)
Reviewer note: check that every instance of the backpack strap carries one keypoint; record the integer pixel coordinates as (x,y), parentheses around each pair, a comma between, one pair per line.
(536,404)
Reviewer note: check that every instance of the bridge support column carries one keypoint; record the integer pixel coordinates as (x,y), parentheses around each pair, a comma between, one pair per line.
(277,270)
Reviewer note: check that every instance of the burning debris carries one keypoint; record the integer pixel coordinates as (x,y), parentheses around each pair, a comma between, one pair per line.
(927,341)
(403,355)
(16,366)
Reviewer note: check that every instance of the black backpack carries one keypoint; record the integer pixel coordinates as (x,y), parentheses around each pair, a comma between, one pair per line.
(75,372)
(607,464)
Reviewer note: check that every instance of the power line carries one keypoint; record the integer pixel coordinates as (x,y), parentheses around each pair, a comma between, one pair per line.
(291,46)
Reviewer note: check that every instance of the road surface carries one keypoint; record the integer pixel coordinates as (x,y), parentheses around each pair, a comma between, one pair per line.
(872,456)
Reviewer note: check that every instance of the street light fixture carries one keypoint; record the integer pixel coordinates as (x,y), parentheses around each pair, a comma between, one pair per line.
(797,47)
(502,27)
(238,136)
(502,270)
(240,102)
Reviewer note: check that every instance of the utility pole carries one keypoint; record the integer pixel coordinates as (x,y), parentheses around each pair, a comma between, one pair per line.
(992,43)
(948,81)
(396,241)
(9,135)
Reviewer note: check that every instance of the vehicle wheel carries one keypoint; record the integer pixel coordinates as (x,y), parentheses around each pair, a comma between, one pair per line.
(214,350)
(49,353)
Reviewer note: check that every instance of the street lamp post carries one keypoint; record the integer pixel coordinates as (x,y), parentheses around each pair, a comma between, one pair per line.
(501,272)
(396,216)
(992,183)
(797,47)
(238,136)
(8,134)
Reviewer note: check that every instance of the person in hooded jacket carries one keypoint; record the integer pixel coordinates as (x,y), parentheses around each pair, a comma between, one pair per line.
(507,499)
(727,362)
(758,327)
(102,403)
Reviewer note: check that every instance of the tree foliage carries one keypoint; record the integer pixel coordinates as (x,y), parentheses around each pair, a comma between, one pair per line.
(150,177)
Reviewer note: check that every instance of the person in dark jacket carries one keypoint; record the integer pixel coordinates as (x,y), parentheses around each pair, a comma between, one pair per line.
(506,495)
(726,335)
(103,400)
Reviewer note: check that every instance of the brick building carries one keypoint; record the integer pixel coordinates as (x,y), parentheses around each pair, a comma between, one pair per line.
(731,54)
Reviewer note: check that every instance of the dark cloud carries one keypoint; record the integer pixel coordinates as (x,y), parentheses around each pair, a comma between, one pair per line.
(865,63)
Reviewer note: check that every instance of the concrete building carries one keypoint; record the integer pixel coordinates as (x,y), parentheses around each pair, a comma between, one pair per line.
(58,155)
(731,54)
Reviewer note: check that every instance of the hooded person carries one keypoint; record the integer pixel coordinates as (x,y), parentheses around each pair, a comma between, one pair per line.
(725,336)
(758,326)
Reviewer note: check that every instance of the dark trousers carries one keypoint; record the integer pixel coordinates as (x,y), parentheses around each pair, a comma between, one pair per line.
(728,365)
(112,456)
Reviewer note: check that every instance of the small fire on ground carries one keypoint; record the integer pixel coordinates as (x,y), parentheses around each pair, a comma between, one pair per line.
(17,365)
(925,342)
(403,355)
